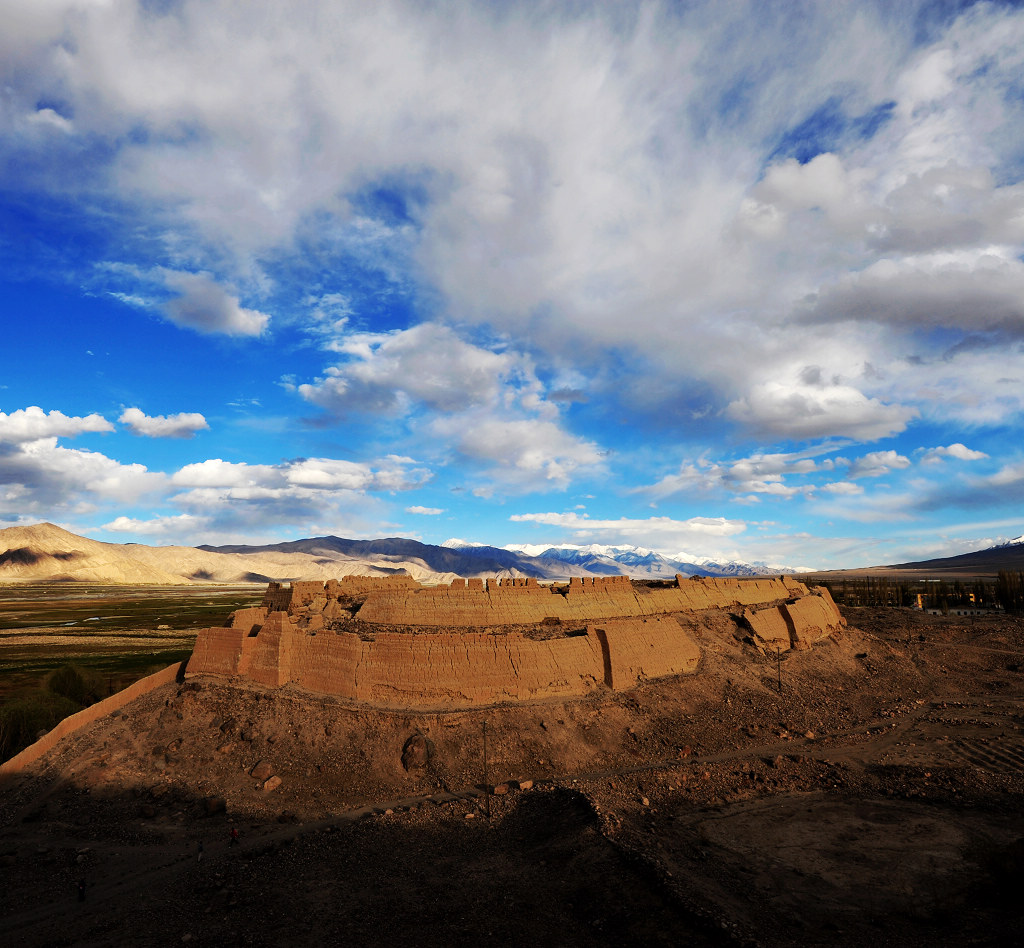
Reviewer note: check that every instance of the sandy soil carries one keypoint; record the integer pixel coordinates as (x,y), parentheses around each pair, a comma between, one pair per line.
(875,798)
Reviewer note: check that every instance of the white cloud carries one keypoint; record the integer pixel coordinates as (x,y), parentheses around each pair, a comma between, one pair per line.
(807,411)
(306,477)
(427,365)
(662,533)
(877,464)
(757,474)
(50,119)
(523,454)
(958,451)
(40,476)
(425,511)
(978,290)
(595,182)
(488,407)
(179,524)
(204,305)
(182,425)
(219,473)
(32,423)
(842,487)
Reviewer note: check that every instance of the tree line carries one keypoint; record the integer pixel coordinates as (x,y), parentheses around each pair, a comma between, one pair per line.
(1006,592)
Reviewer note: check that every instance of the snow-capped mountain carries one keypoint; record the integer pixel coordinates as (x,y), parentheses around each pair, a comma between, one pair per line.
(640,562)
(1018,541)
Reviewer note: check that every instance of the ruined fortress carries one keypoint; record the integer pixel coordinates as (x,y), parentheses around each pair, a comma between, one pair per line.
(394,643)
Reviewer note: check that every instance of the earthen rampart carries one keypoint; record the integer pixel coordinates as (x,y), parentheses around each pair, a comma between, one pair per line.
(94,712)
(464,645)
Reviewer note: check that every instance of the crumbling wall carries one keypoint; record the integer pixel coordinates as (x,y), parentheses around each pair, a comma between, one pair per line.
(772,628)
(813,618)
(631,635)
(525,602)
(639,648)
(218,652)
(94,712)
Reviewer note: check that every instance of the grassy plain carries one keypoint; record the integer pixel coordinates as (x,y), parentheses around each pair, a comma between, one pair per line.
(122,633)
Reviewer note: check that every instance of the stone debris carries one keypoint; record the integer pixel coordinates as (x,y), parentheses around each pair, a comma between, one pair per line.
(262,771)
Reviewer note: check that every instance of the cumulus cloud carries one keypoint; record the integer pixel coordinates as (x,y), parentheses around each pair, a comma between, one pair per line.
(816,410)
(548,196)
(878,463)
(40,476)
(177,524)
(487,406)
(315,475)
(427,365)
(425,511)
(182,425)
(521,454)
(638,201)
(32,423)
(842,487)
(757,474)
(204,305)
(981,291)
(957,451)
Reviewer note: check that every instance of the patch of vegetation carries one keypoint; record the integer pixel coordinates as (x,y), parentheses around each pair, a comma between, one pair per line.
(26,716)
(83,686)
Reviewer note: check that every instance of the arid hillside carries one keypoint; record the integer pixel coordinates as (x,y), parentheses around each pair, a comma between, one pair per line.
(867,790)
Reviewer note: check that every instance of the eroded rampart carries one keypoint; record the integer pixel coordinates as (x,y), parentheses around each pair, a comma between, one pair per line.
(86,716)
(463,645)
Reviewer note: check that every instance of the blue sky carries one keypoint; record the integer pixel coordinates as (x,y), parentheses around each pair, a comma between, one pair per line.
(735,280)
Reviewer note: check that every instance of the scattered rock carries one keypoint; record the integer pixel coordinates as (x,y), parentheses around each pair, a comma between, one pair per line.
(417,752)
(272,784)
(262,771)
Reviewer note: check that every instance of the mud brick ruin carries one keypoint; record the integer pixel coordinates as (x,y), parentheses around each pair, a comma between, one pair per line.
(393,643)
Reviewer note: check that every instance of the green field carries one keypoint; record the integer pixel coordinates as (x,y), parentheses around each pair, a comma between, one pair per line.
(111,635)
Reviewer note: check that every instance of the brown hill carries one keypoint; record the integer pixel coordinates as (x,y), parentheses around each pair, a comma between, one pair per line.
(47,553)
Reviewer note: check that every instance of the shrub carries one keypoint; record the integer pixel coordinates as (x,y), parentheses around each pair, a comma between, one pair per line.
(24,716)
(81,685)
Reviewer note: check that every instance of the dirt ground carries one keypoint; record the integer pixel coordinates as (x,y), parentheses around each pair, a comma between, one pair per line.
(874,798)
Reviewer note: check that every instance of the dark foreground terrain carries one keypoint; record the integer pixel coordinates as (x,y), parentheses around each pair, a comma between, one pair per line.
(875,798)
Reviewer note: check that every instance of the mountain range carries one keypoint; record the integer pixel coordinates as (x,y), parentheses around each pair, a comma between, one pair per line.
(47,553)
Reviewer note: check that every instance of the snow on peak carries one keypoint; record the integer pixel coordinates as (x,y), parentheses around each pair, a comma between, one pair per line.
(1018,541)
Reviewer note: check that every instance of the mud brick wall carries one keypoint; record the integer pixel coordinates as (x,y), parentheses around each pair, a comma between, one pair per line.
(94,712)
(771,627)
(640,648)
(632,633)
(530,603)
(218,651)
(813,618)
(266,657)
